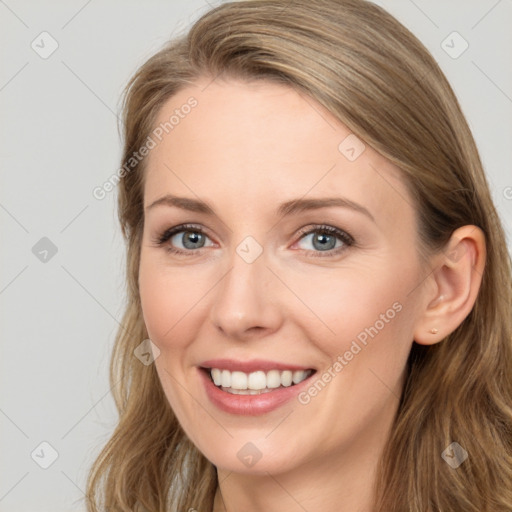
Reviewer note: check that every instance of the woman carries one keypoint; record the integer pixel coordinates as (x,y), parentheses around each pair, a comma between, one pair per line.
(319,289)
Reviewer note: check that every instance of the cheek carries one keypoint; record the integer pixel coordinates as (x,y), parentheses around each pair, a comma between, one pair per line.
(363,323)
(169,297)
(355,304)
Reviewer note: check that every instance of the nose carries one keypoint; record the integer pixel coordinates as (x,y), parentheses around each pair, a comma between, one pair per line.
(245,303)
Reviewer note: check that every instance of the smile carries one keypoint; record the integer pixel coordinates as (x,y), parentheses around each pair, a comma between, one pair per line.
(257,382)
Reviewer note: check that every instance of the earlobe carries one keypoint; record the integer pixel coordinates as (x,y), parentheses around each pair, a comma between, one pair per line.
(457,277)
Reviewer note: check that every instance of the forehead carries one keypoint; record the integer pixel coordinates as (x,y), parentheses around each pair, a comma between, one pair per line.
(258,143)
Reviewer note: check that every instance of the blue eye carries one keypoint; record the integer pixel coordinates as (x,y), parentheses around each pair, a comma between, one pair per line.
(190,239)
(326,240)
(190,236)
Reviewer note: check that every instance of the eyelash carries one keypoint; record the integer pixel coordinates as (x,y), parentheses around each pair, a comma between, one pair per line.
(345,237)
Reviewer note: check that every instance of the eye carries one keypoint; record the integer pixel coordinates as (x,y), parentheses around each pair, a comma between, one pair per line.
(326,239)
(186,239)
(189,236)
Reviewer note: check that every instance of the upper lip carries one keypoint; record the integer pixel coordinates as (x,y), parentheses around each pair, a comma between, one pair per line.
(250,366)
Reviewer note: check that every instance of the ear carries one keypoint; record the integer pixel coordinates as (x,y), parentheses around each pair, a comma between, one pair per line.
(454,284)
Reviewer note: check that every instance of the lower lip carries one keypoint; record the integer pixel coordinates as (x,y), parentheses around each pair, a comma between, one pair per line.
(250,405)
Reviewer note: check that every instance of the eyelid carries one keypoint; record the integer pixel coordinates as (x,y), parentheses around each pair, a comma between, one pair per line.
(326,228)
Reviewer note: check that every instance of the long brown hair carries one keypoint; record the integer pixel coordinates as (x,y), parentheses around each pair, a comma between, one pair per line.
(377,78)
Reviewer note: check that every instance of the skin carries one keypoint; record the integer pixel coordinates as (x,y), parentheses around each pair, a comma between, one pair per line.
(244,149)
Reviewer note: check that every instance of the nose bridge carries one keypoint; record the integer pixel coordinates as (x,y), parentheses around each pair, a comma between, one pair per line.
(244,298)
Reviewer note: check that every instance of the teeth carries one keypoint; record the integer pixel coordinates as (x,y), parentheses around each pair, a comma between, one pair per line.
(246,391)
(226,378)
(238,380)
(216,376)
(255,380)
(273,379)
(258,381)
(298,376)
(286,378)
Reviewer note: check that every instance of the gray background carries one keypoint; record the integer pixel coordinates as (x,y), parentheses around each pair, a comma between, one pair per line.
(59,140)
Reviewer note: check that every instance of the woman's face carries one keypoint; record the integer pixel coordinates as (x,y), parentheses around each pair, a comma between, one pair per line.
(299,253)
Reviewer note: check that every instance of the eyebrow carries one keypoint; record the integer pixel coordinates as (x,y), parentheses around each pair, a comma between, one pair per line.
(285,209)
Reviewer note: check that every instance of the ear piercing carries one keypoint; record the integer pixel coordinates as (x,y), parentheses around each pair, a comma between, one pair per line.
(434,331)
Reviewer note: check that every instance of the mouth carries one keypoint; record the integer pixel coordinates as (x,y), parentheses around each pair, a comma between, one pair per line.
(256,382)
